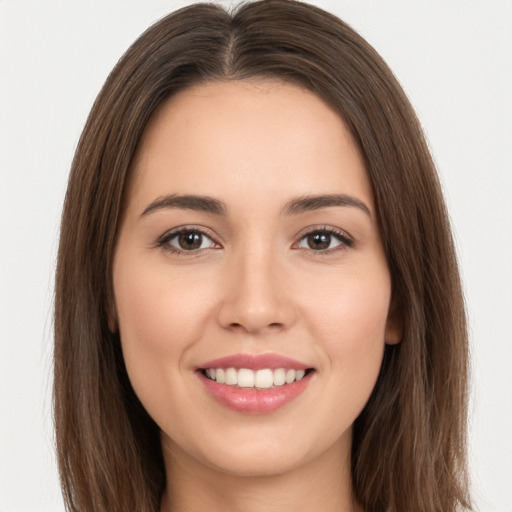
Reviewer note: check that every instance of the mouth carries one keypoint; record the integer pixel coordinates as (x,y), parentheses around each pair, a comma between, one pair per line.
(255,384)
(246,378)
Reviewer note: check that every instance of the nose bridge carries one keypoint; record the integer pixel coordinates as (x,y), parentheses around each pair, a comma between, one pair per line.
(255,295)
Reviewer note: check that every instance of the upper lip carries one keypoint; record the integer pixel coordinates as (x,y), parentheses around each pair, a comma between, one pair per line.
(255,362)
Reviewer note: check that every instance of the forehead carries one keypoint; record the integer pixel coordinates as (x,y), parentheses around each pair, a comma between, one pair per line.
(247,139)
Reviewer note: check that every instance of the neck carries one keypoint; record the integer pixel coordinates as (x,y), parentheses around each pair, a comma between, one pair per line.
(322,484)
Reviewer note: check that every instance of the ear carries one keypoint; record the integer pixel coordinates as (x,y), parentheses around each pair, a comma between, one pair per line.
(394,324)
(111,317)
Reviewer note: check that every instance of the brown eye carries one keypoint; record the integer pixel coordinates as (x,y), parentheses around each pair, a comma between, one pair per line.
(324,240)
(187,240)
(190,240)
(319,241)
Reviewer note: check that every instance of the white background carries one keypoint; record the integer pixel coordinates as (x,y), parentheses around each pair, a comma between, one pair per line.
(454,58)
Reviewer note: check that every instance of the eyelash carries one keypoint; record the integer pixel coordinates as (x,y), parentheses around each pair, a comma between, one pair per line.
(345,240)
(342,237)
(164,241)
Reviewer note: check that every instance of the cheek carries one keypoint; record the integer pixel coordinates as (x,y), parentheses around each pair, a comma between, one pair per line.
(349,330)
(158,311)
(355,300)
(349,320)
(160,317)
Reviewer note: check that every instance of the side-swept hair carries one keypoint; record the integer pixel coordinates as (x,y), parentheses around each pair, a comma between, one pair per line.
(409,442)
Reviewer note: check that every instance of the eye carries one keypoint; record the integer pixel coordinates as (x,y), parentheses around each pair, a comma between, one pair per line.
(324,240)
(186,240)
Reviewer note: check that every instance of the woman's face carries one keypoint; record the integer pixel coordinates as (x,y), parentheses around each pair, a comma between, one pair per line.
(249,253)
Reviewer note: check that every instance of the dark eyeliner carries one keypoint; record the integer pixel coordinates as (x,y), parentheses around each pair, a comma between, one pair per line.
(163,241)
(346,240)
(341,235)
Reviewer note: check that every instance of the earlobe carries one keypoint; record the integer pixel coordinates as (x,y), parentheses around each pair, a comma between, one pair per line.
(111,318)
(393,333)
(394,327)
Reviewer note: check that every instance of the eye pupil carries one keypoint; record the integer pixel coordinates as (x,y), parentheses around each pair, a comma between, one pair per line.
(319,241)
(190,240)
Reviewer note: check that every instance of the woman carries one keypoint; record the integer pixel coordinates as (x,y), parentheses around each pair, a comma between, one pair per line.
(257,298)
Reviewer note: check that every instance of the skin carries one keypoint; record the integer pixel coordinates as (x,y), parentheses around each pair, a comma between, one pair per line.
(254,286)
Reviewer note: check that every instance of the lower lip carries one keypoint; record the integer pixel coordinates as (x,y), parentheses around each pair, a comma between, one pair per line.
(255,401)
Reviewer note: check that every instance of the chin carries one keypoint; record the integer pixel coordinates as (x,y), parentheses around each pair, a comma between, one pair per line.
(259,466)
(265,453)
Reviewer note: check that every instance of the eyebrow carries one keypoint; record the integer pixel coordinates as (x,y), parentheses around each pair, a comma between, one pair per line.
(310,203)
(187,202)
(294,207)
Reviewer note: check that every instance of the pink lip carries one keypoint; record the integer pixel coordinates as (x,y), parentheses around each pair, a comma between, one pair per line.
(254,401)
(255,362)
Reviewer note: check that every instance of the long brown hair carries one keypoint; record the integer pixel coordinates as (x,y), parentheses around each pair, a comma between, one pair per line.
(409,442)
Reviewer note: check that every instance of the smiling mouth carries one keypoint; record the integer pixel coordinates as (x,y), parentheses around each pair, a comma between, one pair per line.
(265,378)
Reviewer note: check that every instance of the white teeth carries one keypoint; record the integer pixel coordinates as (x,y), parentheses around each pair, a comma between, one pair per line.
(290,376)
(264,379)
(245,378)
(220,375)
(279,377)
(231,377)
(261,379)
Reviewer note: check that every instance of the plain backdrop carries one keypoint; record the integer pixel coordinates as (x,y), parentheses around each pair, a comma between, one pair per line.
(454,59)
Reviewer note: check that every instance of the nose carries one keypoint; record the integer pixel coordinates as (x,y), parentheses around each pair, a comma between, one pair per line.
(257,297)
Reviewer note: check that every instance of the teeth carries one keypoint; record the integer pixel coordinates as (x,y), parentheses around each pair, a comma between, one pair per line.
(264,379)
(220,376)
(261,379)
(290,376)
(279,377)
(245,378)
(231,377)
